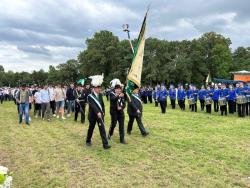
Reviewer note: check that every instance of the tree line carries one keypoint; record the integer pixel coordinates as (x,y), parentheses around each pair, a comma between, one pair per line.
(187,61)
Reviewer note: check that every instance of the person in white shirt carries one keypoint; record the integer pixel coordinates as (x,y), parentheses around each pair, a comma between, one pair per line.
(38,101)
(52,100)
(45,99)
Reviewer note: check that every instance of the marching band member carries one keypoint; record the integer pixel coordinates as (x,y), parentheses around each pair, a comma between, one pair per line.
(231,99)
(247,88)
(172,95)
(162,98)
(181,95)
(202,95)
(209,94)
(224,95)
(216,94)
(240,91)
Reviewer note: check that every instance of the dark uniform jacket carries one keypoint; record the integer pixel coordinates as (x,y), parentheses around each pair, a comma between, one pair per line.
(96,105)
(134,104)
(115,102)
(81,95)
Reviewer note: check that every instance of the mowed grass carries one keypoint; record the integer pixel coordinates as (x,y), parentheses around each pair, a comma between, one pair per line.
(184,149)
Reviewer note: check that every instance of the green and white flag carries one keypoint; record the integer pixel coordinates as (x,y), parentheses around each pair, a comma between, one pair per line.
(208,79)
(134,75)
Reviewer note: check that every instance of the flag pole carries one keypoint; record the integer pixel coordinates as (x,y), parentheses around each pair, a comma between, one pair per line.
(125,29)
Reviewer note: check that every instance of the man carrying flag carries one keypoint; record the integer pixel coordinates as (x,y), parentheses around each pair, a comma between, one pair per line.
(134,83)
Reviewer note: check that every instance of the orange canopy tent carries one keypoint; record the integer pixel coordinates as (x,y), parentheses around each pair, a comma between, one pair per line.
(242,75)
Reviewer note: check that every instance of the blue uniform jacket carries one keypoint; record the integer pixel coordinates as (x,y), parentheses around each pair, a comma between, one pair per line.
(181,94)
(172,94)
(162,95)
(224,93)
(202,94)
(216,94)
(232,95)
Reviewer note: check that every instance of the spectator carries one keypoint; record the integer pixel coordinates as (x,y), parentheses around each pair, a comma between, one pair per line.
(70,99)
(59,99)
(23,98)
(45,103)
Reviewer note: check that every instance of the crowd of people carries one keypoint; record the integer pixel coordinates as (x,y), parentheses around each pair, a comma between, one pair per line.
(48,102)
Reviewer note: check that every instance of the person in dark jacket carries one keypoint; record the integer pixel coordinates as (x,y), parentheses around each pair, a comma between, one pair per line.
(96,112)
(117,106)
(80,103)
(135,112)
(70,97)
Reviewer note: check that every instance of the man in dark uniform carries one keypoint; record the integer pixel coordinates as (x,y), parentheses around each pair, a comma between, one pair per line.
(135,112)
(150,94)
(80,103)
(96,112)
(117,105)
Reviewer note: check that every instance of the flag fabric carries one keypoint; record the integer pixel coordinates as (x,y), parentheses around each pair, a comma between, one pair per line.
(208,79)
(81,81)
(134,75)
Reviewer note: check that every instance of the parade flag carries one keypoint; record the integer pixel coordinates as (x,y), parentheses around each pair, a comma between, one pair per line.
(134,75)
(81,81)
(209,79)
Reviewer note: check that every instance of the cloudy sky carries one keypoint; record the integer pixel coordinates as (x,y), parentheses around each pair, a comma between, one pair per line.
(37,33)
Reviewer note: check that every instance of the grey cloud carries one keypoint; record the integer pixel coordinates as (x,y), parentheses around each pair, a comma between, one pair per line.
(41,50)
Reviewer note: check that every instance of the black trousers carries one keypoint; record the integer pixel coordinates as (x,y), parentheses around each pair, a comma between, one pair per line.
(156,103)
(194,107)
(150,99)
(80,107)
(208,108)
(37,109)
(181,104)
(202,102)
(248,109)
(173,103)
(216,106)
(231,106)
(241,110)
(53,106)
(102,131)
(163,105)
(117,116)
(223,110)
(139,123)
(1,99)
(144,99)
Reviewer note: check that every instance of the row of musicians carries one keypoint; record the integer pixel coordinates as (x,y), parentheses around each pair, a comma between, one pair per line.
(218,96)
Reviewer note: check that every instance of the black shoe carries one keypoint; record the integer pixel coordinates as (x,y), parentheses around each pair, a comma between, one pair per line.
(145,134)
(20,122)
(88,143)
(107,147)
(123,142)
(129,132)
(28,124)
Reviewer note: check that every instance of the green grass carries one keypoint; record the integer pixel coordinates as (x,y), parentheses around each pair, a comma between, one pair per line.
(184,149)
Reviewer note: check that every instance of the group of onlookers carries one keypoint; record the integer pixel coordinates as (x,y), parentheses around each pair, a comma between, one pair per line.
(50,101)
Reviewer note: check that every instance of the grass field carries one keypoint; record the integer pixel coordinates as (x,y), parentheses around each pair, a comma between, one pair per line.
(184,149)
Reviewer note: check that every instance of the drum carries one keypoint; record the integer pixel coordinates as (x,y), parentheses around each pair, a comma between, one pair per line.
(241,99)
(248,98)
(191,101)
(222,101)
(208,100)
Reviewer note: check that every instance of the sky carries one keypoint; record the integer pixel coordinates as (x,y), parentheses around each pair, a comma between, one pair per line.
(37,33)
